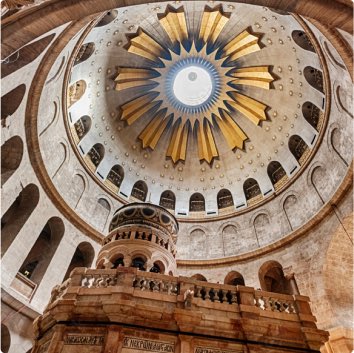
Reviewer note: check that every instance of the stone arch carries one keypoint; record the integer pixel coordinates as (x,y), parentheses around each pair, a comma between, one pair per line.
(139,190)
(197,243)
(314,77)
(199,277)
(107,18)
(340,145)
(11,157)
(299,148)
(64,156)
(43,250)
(261,224)
(277,174)
(168,200)
(83,257)
(289,205)
(272,279)
(234,278)
(158,267)
(101,213)
(95,155)
(85,51)
(5,339)
(313,115)
(16,216)
(25,55)
(12,100)
(320,183)
(224,199)
(302,40)
(252,191)
(82,127)
(76,91)
(230,239)
(197,203)
(77,189)
(115,177)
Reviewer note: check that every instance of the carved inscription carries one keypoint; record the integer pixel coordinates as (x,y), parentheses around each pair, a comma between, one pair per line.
(87,339)
(210,350)
(148,345)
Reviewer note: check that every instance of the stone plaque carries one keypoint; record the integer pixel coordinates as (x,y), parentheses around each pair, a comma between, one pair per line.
(211,350)
(90,340)
(145,345)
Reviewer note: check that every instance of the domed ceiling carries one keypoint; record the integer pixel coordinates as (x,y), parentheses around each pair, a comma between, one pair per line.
(208,107)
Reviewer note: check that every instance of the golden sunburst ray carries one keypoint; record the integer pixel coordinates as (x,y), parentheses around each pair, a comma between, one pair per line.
(134,77)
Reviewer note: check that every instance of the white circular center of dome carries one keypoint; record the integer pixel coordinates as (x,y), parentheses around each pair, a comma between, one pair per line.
(192,85)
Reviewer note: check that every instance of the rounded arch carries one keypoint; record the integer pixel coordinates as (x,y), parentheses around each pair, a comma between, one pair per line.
(224,199)
(302,40)
(139,262)
(11,157)
(312,114)
(96,154)
(82,127)
(197,203)
(12,100)
(116,176)
(199,277)
(5,339)
(83,257)
(168,200)
(234,278)
(101,213)
(76,91)
(272,279)
(139,190)
(276,174)
(158,267)
(251,189)
(340,145)
(299,148)
(107,18)
(314,77)
(85,51)
(289,207)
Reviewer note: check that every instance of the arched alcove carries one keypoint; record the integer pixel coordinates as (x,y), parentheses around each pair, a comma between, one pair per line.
(76,190)
(107,18)
(60,157)
(224,199)
(291,211)
(43,250)
(262,228)
(95,155)
(11,156)
(5,339)
(82,127)
(168,200)
(277,174)
(313,115)
(25,55)
(342,146)
(82,257)
(299,148)
(139,262)
(314,77)
(320,182)
(302,40)
(199,277)
(158,267)
(139,190)
(100,214)
(272,279)
(230,240)
(11,101)
(234,278)
(252,191)
(16,216)
(85,51)
(75,92)
(115,177)
(197,244)
(197,203)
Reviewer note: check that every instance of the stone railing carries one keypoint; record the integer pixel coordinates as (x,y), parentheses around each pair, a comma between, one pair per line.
(147,281)
(216,294)
(275,302)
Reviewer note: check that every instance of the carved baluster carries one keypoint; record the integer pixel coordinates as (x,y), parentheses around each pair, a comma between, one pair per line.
(221,295)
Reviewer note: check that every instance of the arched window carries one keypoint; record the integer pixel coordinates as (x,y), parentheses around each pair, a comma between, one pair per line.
(95,155)
(107,18)
(82,127)
(119,262)
(197,203)
(25,55)
(158,267)
(234,278)
(313,115)
(168,200)
(82,257)
(139,263)
(272,279)
(11,156)
(224,199)
(199,277)
(299,148)
(314,77)
(39,257)
(76,91)
(115,177)
(84,53)
(302,40)
(139,190)
(16,216)
(252,191)
(277,174)
(5,339)
(11,101)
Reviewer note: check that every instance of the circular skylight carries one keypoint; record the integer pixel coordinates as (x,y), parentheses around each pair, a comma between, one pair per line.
(192,85)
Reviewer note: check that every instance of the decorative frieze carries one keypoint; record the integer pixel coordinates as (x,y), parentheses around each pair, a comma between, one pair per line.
(148,345)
